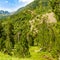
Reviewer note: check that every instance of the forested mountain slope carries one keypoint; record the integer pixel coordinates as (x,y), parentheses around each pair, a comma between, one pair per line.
(37,7)
(32,25)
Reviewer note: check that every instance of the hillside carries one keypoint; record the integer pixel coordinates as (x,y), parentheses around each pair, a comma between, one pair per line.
(29,12)
(32,27)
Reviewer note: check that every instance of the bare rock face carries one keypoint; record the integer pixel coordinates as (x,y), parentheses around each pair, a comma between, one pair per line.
(50,17)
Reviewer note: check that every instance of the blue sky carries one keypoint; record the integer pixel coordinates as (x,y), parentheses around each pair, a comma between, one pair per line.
(13,5)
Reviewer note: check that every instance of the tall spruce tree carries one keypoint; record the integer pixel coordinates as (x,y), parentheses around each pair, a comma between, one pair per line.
(55,4)
(10,38)
(2,37)
(21,48)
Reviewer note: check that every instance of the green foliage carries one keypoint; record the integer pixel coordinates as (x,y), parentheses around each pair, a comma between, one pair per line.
(21,49)
(55,4)
(20,36)
(2,37)
(34,55)
(9,42)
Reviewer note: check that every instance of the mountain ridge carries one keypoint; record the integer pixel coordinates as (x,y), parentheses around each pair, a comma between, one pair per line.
(4,12)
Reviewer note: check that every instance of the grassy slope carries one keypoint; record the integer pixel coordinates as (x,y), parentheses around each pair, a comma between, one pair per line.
(34,55)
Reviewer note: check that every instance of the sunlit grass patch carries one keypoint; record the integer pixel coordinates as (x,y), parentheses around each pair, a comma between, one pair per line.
(34,55)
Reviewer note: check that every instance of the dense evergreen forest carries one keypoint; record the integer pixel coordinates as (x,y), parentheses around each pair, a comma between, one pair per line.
(37,24)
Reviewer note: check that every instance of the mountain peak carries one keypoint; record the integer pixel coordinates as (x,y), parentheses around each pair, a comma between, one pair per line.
(4,12)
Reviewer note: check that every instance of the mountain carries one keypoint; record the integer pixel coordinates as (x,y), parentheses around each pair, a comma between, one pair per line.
(36,7)
(4,12)
(29,12)
(33,25)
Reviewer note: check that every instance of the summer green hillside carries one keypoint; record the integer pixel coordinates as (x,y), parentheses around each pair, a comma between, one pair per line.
(32,32)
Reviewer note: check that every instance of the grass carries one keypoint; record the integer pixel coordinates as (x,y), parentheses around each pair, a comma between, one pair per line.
(35,55)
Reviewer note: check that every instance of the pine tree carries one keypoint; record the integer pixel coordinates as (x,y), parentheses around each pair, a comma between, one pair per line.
(10,38)
(21,48)
(55,4)
(47,35)
(2,37)
(44,34)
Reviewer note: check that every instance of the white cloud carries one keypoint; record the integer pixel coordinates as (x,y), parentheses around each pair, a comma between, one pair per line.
(26,1)
(7,9)
(10,10)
